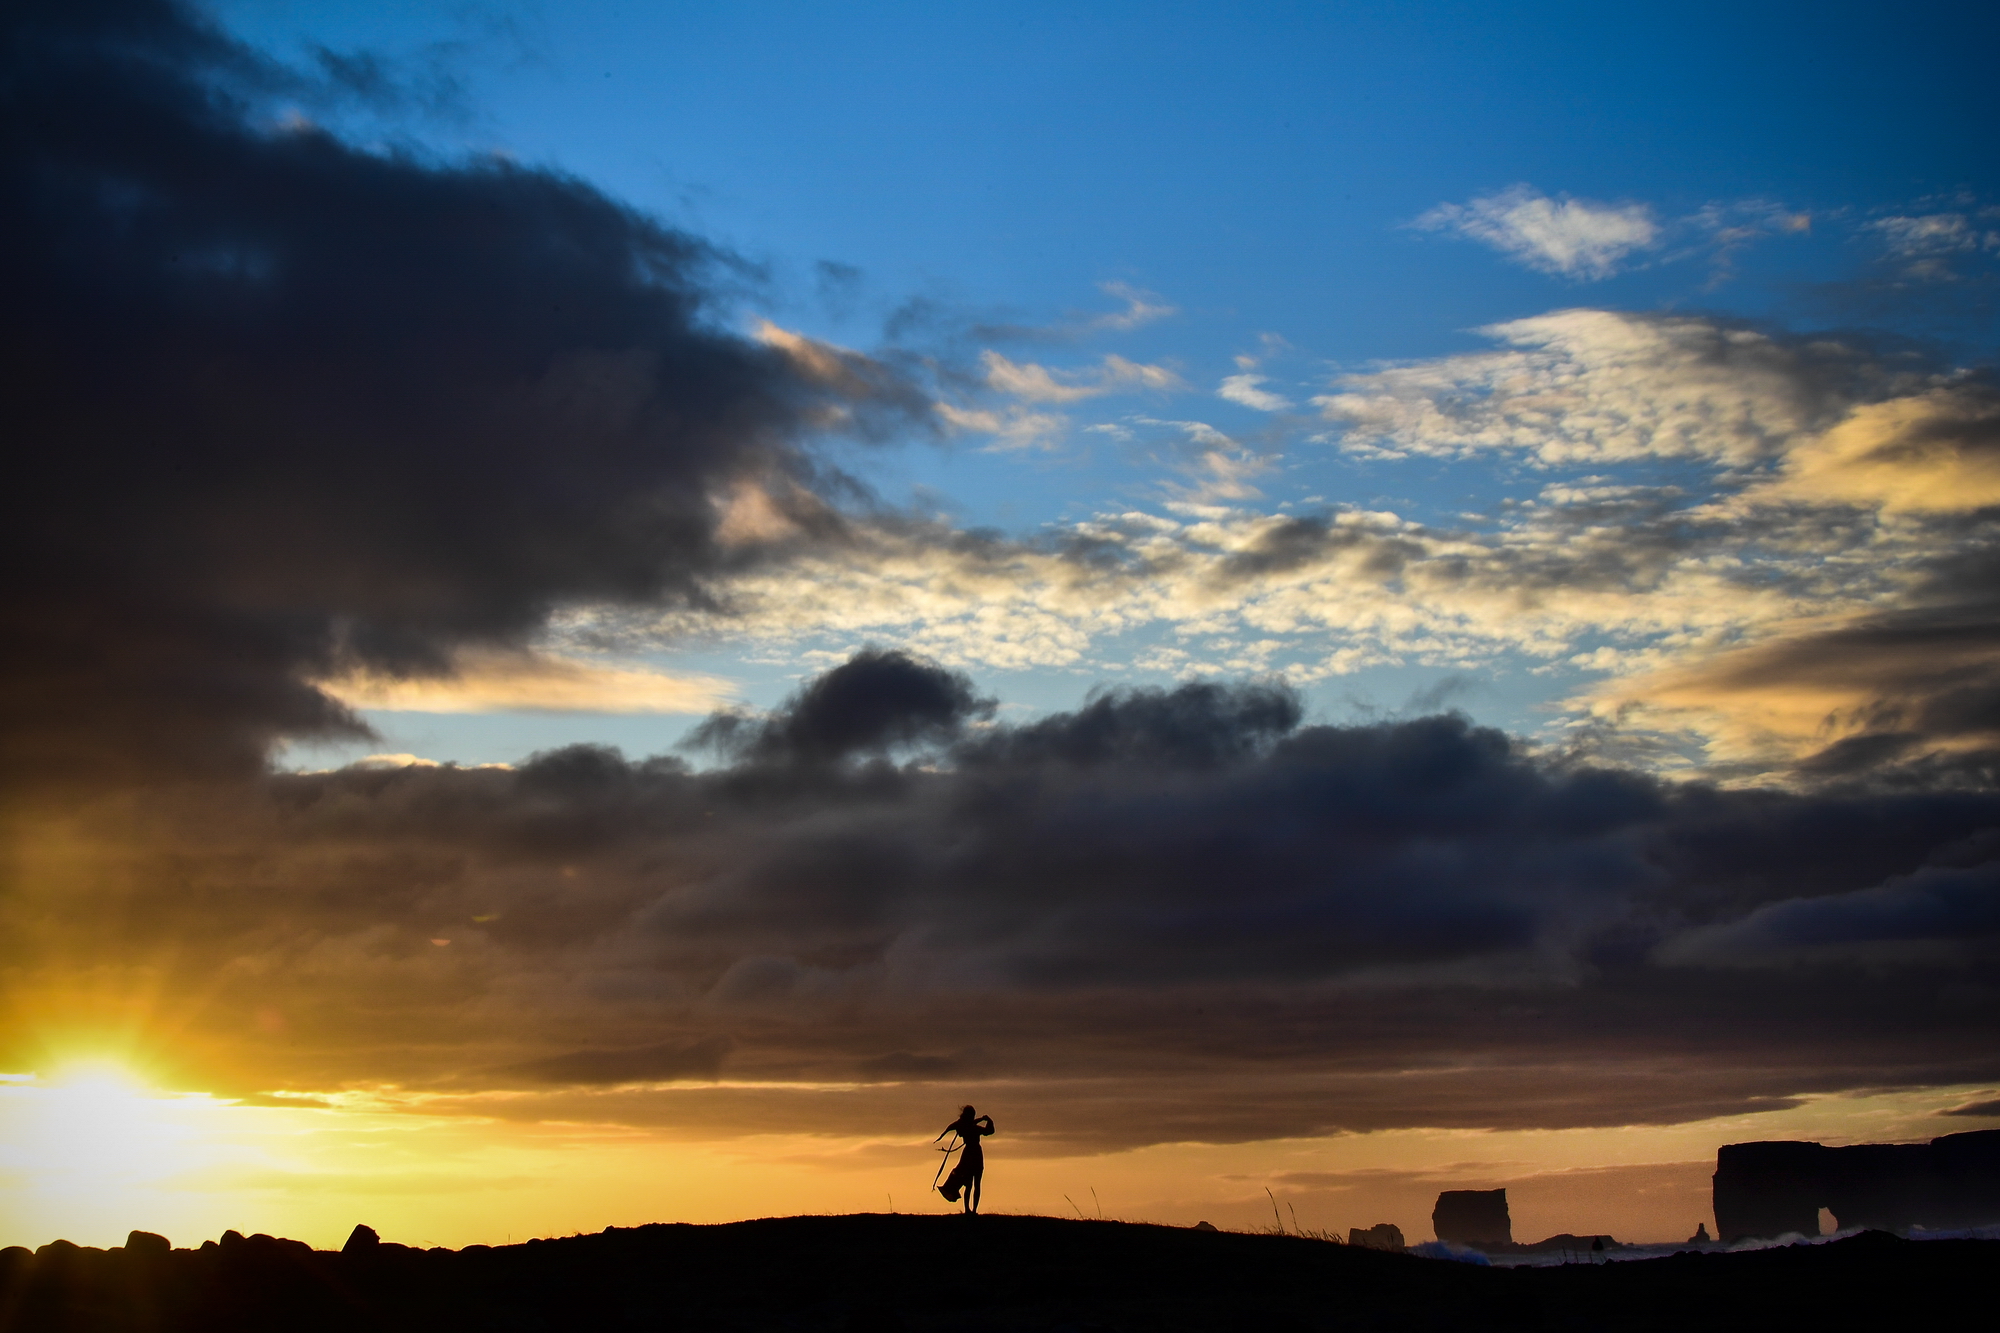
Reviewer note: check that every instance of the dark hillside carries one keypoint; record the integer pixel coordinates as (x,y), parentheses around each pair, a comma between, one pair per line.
(952,1273)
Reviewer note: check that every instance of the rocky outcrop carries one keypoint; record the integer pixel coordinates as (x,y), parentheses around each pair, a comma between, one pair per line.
(1769,1189)
(1473,1217)
(1381,1236)
(1568,1243)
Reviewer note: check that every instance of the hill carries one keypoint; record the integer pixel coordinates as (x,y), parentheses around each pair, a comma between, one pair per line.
(869,1273)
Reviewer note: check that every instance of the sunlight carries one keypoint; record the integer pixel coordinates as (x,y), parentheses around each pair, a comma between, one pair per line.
(90,1150)
(91,1126)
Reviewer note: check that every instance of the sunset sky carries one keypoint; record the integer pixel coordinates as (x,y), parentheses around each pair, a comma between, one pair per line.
(615,608)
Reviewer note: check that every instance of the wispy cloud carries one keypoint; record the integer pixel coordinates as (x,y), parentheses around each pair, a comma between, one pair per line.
(1577,238)
(1010,428)
(1937,234)
(1035,383)
(1248,390)
(1141,308)
(1934,247)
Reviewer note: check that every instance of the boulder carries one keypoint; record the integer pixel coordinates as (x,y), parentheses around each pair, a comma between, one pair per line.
(361,1240)
(148,1244)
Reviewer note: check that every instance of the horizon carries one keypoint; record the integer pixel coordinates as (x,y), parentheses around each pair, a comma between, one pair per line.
(615,613)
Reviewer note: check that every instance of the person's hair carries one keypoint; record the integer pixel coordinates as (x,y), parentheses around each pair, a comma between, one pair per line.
(964,1111)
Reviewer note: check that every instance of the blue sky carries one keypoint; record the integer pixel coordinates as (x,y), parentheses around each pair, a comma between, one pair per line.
(1281,196)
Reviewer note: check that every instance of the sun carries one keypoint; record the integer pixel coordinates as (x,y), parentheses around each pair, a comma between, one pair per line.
(93,1123)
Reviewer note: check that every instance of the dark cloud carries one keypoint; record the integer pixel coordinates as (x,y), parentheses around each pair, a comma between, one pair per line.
(1948,909)
(281,407)
(644,1064)
(874,701)
(1167,915)
(1199,725)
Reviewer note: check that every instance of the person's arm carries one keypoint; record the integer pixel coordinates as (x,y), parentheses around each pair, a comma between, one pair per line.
(986,1124)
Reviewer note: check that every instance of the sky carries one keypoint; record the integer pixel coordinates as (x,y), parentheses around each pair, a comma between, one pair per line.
(616,608)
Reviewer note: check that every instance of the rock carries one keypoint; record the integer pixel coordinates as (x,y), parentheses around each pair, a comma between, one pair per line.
(1473,1217)
(361,1240)
(1700,1236)
(1381,1236)
(1567,1241)
(1204,1226)
(1771,1188)
(148,1244)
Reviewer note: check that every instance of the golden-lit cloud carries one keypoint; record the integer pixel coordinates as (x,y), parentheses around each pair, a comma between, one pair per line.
(1832,694)
(493,681)
(1929,453)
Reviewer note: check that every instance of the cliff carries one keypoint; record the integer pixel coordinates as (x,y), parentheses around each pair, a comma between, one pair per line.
(1769,1189)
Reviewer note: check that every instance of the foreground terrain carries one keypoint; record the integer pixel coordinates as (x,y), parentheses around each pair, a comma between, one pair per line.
(957,1273)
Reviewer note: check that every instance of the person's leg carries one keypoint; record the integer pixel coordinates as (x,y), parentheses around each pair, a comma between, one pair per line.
(973,1194)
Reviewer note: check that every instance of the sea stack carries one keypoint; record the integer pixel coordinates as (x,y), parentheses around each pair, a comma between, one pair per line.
(1473,1217)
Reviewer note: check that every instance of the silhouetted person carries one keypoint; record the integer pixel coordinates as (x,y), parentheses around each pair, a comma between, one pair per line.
(966,1176)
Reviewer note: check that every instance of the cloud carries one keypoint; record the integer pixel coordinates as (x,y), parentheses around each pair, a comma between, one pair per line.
(934,319)
(1038,384)
(1247,390)
(871,703)
(1914,689)
(290,411)
(1312,594)
(1935,452)
(1597,386)
(1577,238)
(1012,428)
(1933,234)
(645,1064)
(1951,910)
(487,681)
(1987,1108)
(1813,586)
(1141,308)
(1194,900)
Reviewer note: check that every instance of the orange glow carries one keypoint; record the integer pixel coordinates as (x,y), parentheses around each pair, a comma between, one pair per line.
(91,1153)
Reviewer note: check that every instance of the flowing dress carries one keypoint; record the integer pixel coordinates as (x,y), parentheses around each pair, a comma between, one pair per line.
(971,1159)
